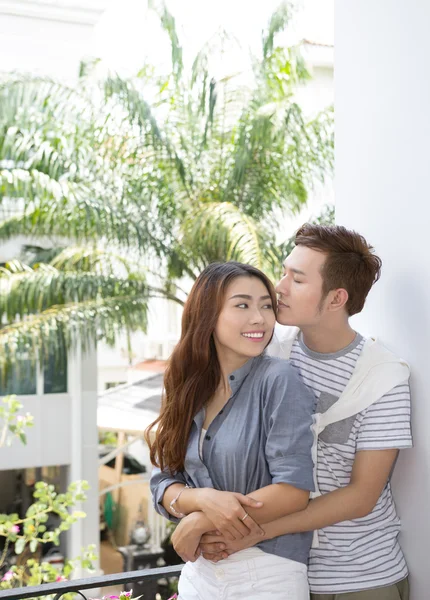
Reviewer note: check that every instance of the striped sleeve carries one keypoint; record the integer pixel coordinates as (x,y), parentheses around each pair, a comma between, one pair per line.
(387,423)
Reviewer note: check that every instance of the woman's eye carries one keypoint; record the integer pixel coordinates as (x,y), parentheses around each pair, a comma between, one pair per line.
(243,305)
(269,306)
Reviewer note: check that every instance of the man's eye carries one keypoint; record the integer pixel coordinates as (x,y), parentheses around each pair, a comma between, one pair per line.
(297,281)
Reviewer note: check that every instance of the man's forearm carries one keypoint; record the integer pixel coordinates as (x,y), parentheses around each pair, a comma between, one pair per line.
(279,499)
(343,504)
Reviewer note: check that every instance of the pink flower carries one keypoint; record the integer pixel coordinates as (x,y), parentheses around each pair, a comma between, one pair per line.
(61,578)
(14,529)
(8,576)
(173,597)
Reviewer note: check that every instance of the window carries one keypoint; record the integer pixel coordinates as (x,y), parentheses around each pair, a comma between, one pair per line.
(55,375)
(20,379)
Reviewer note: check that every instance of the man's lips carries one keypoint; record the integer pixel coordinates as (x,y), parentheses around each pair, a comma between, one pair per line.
(282,305)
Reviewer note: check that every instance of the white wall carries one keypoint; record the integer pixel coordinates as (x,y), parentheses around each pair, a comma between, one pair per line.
(46,37)
(48,442)
(382,188)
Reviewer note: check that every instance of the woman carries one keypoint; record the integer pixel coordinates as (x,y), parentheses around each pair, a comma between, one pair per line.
(234,422)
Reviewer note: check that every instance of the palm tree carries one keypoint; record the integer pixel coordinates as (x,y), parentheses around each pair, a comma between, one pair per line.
(134,195)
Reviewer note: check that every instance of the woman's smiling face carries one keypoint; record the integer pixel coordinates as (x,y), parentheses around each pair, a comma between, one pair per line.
(246,321)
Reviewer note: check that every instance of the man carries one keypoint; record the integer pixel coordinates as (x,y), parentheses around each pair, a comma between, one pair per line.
(358,557)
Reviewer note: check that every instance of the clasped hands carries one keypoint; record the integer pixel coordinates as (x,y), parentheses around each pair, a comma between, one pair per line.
(219,528)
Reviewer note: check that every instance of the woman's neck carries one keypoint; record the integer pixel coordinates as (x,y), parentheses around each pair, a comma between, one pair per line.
(229,362)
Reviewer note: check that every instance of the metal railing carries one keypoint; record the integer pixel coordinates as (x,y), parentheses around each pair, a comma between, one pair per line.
(77,585)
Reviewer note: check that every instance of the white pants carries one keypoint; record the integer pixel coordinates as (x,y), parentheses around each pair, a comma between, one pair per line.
(251,574)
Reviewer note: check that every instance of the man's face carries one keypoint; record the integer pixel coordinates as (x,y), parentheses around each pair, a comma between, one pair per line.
(300,289)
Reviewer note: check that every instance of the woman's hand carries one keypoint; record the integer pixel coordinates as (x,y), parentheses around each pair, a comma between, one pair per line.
(215,547)
(227,511)
(186,537)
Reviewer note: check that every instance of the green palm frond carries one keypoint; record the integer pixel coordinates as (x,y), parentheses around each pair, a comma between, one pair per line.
(59,328)
(137,110)
(114,264)
(168,24)
(96,260)
(28,291)
(278,22)
(89,220)
(34,186)
(220,231)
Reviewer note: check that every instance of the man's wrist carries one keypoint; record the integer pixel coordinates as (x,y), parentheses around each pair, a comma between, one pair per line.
(201,523)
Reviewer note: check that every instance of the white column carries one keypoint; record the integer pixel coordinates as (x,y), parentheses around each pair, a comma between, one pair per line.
(82,382)
(382,93)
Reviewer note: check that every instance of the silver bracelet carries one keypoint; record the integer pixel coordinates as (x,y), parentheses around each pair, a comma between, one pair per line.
(175,500)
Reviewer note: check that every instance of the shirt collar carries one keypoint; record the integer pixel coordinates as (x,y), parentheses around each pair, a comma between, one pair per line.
(236,378)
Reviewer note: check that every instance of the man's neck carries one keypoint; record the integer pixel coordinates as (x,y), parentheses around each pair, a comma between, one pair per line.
(327,340)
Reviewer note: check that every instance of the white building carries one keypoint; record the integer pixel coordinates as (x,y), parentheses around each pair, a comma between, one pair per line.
(50,37)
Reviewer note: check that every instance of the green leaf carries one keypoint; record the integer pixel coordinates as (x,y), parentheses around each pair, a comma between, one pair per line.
(20,545)
(33,545)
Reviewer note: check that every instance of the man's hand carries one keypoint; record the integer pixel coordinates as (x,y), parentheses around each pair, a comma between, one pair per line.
(186,537)
(216,547)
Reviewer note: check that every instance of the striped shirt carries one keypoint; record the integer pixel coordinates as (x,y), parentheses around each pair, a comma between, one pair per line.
(362,553)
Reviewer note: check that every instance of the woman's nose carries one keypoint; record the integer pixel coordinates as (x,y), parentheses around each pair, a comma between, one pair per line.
(257,317)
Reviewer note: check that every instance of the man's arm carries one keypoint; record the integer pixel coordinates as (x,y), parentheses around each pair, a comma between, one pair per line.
(369,476)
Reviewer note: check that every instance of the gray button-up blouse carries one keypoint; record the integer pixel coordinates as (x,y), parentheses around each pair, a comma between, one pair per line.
(261,436)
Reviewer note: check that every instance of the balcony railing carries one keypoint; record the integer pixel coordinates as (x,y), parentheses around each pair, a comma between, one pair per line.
(77,585)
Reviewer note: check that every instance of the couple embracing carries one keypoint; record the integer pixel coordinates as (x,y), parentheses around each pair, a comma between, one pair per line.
(275,446)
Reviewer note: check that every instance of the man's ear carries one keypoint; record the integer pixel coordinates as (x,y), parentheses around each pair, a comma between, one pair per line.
(337,299)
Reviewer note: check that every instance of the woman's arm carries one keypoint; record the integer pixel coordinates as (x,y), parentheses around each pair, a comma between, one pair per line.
(264,505)
(160,483)
(369,475)
(186,537)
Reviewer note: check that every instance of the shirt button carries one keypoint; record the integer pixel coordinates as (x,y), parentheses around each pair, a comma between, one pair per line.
(231,377)
(208,437)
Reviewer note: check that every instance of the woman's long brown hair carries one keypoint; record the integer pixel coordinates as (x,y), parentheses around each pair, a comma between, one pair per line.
(193,372)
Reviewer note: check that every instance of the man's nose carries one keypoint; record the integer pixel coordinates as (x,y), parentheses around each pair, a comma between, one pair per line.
(282,286)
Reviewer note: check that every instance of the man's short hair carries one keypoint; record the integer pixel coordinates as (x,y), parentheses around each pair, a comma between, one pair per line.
(350,264)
